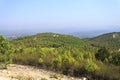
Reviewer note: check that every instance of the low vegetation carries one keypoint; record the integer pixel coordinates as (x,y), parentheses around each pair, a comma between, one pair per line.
(68,55)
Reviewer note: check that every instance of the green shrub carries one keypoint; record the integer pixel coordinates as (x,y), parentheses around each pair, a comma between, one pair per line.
(90,66)
(26,58)
(102,54)
(107,72)
(6,51)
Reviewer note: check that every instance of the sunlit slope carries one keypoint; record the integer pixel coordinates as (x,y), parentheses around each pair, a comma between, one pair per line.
(109,40)
(50,40)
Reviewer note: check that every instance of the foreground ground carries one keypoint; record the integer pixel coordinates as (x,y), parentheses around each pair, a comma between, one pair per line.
(20,72)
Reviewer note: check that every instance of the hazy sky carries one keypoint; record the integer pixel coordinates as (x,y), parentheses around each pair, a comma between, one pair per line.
(59,14)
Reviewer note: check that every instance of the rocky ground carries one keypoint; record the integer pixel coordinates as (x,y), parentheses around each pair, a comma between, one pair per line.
(20,72)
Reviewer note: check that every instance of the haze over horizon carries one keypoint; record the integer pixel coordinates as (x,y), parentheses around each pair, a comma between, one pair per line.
(59,15)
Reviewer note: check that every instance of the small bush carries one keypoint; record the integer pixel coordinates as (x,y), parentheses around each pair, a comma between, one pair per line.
(29,78)
(107,72)
(90,66)
(28,59)
(43,79)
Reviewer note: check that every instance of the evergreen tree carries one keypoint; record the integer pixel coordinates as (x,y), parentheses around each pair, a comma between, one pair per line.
(102,54)
(5,52)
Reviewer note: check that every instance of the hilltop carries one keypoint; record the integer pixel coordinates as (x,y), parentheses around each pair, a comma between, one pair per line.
(51,40)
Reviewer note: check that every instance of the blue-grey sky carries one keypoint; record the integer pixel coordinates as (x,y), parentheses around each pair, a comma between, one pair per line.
(59,14)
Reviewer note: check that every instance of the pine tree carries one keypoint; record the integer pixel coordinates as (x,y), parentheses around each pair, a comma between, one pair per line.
(5,52)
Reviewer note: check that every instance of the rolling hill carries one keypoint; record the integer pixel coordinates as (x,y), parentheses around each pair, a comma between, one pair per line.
(52,40)
(109,40)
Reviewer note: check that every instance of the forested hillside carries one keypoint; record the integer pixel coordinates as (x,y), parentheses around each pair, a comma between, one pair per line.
(51,40)
(68,55)
(109,40)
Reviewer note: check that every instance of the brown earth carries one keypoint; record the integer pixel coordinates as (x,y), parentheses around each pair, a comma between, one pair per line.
(21,72)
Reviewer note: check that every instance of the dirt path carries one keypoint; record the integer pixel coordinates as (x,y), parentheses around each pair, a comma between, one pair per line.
(20,72)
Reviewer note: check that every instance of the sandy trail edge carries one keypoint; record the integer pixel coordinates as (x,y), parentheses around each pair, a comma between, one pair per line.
(21,72)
